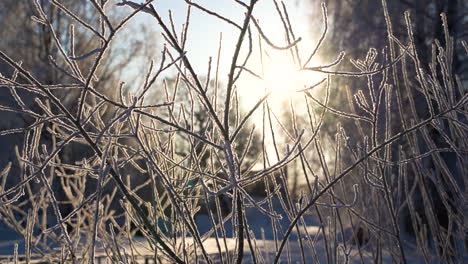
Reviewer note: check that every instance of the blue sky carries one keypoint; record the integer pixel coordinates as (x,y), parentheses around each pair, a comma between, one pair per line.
(203,43)
(204,30)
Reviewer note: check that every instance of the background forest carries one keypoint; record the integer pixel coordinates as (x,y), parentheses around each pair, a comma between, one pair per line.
(116,146)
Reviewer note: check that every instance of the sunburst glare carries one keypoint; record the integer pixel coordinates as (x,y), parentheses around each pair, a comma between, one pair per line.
(282,77)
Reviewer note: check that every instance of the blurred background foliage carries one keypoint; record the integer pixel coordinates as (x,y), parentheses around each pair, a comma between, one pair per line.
(353,27)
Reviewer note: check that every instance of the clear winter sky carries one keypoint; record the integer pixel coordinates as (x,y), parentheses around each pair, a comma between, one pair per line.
(205,29)
(204,36)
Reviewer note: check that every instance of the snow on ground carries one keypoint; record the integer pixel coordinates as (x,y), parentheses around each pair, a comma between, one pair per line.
(8,238)
(265,252)
(310,238)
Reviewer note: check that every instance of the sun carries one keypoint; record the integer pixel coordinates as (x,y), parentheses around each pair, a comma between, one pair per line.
(282,77)
(278,75)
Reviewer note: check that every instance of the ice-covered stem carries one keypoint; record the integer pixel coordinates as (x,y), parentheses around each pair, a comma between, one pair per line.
(103,171)
(231,76)
(237,202)
(240,226)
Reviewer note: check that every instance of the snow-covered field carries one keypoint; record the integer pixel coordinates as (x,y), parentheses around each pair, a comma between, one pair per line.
(263,242)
